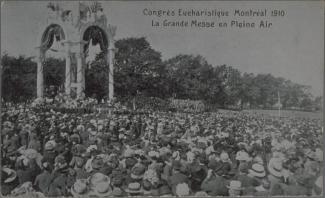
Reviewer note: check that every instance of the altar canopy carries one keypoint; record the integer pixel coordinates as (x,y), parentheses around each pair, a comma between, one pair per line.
(74,26)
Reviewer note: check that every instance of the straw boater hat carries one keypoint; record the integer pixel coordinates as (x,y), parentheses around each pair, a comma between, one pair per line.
(182,189)
(11,175)
(275,167)
(50,145)
(224,157)
(235,185)
(257,170)
(80,188)
(134,187)
(242,156)
(100,185)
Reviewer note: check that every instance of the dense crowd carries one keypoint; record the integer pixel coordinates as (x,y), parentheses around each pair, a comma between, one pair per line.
(50,153)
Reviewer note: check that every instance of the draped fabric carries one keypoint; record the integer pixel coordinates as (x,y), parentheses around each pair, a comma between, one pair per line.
(48,37)
(95,35)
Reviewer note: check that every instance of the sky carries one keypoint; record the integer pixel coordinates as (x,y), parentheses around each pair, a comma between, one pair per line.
(293,47)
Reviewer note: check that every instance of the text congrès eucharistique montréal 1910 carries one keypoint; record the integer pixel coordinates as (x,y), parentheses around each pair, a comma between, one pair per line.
(213,18)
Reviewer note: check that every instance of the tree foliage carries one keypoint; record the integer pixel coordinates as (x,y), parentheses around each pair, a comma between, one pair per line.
(140,71)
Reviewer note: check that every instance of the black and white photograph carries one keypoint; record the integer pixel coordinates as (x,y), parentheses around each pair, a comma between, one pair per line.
(162,98)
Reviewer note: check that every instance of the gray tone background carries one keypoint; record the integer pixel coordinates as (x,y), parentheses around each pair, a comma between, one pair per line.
(293,48)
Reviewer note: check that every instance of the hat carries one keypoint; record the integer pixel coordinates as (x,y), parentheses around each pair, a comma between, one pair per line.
(243,167)
(50,145)
(224,157)
(275,167)
(319,155)
(60,159)
(235,185)
(177,165)
(257,170)
(182,189)
(319,182)
(242,156)
(153,154)
(11,175)
(128,152)
(258,160)
(130,162)
(97,163)
(310,154)
(134,187)
(138,171)
(30,153)
(102,189)
(117,192)
(91,148)
(201,194)
(100,184)
(214,165)
(165,190)
(79,188)
(93,132)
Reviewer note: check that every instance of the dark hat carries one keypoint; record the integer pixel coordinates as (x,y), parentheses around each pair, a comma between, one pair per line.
(243,167)
(97,163)
(214,165)
(138,171)
(177,165)
(130,162)
(117,179)
(165,190)
(146,185)
(60,159)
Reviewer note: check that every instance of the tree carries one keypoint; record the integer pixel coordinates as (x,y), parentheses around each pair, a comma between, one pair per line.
(96,77)
(189,76)
(138,69)
(54,72)
(18,78)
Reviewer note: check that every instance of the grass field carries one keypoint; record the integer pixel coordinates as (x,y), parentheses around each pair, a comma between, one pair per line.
(288,113)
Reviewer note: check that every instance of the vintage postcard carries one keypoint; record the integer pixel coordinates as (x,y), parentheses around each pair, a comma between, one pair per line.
(162,98)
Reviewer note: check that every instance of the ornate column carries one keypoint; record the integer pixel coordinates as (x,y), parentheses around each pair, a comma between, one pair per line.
(111,30)
(80,74)
(40,76)
(67,69)
(111,55)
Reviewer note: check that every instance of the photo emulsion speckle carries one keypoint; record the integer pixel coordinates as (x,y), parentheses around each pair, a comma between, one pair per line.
(162,98)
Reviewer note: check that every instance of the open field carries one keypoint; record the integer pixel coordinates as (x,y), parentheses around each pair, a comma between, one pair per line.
(288,113)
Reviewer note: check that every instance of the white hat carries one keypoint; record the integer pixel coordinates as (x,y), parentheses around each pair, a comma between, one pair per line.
(319,154)
(235,185)
(128,152)
(257,170)
(134,187)
(91,148)
(275,167)
(242,156)
(79,188)
(224,156)
(153,154)
(182,189)
(12,174)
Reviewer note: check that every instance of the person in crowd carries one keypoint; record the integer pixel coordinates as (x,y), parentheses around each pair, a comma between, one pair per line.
(66,151)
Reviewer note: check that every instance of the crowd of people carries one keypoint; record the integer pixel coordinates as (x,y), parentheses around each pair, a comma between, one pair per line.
(50,153)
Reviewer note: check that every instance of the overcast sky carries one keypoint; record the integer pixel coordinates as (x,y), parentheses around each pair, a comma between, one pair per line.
(292,48)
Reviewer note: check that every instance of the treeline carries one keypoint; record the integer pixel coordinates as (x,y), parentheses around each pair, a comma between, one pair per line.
(140,71)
